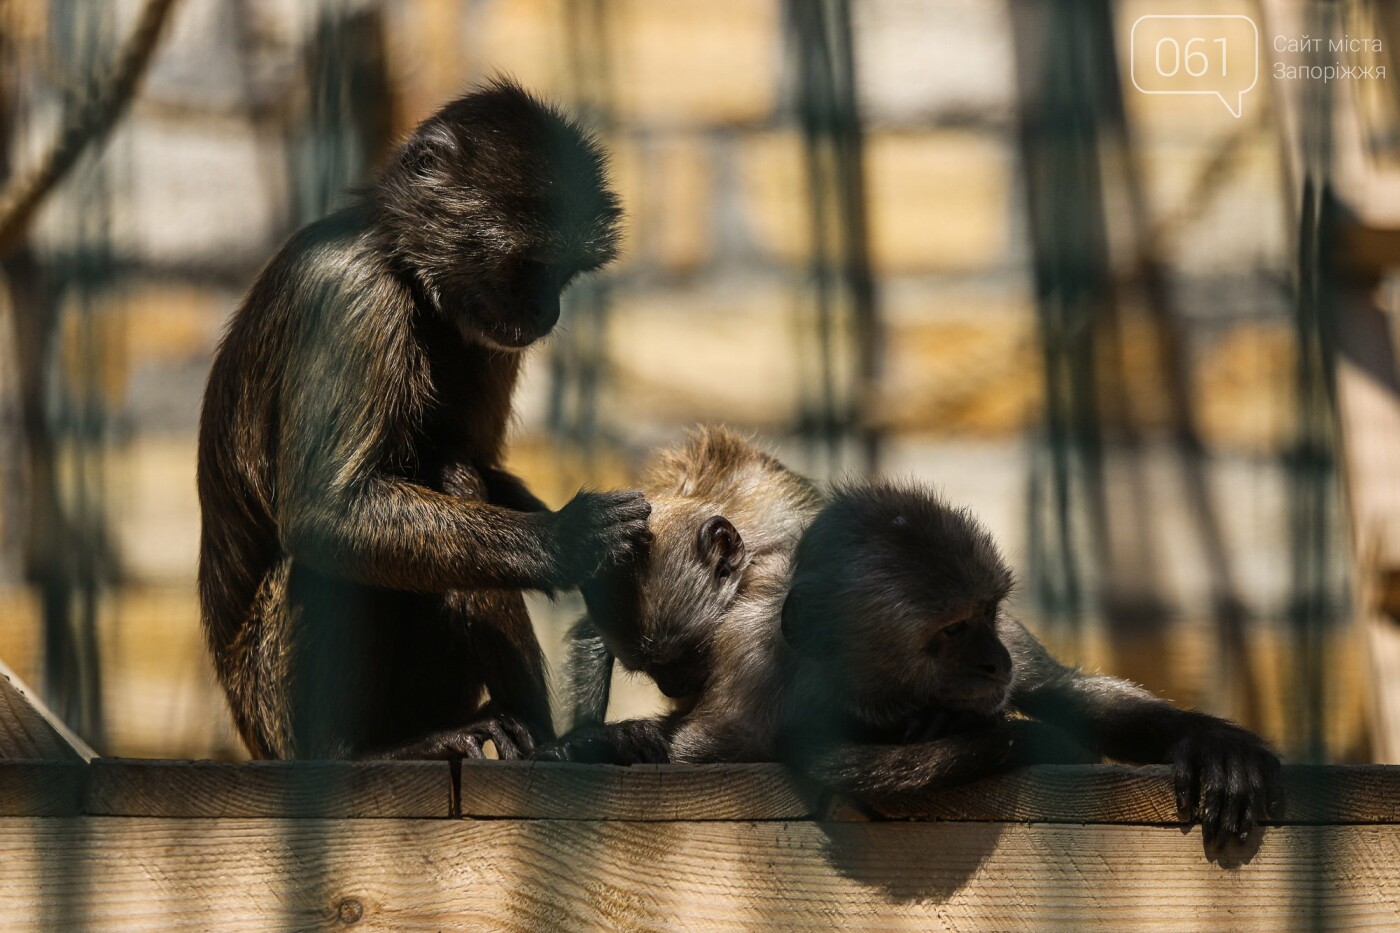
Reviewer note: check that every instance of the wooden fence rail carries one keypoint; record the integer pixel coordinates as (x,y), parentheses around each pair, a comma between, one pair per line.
(110,844)
(163,845)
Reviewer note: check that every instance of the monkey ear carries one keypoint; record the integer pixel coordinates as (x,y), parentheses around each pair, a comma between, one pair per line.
(721,546)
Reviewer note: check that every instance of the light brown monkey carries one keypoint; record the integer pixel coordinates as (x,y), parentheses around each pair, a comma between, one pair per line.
(697,610)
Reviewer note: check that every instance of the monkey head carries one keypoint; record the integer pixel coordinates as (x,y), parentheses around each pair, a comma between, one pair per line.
(896,594)
(659,614)
(492,207)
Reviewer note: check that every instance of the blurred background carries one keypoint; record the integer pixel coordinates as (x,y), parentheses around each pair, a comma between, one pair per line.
(1150,343)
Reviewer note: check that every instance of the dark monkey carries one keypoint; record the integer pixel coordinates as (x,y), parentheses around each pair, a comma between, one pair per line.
(362,551)
(909,662)
(696,610)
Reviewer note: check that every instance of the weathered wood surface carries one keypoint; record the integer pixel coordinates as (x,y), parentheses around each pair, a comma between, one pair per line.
(28,730)
(1122,794)
(41,788)
(361,789)
(114,873)
(547,791)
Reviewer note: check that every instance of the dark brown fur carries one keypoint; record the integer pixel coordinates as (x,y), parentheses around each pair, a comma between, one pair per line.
(362,551)
(896,612)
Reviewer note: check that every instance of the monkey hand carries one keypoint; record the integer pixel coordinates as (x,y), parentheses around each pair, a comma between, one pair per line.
(510,736)
(1227,778)
(625,743)
(595,531)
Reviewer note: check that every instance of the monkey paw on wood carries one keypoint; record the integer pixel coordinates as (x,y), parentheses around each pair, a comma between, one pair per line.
(508,734)
(1226,778)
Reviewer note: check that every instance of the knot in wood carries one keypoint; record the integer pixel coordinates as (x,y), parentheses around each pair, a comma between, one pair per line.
(350,911)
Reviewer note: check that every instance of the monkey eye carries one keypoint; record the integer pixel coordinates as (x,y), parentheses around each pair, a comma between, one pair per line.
(956,629)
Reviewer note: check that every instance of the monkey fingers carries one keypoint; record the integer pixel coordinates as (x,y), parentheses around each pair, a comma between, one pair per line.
(1214,800)
(598,530)
(441,746)
(633,741)
(508,734)
(1227,779)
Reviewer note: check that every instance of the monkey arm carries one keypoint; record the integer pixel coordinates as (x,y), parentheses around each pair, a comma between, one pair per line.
(394,533)
(356,388)
(873,770)
(590,666)
(492,484)
(630,742)
(1109,714)
(509,490)
(1225,776)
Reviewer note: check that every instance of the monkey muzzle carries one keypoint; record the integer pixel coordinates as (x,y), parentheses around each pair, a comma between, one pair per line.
(512,332)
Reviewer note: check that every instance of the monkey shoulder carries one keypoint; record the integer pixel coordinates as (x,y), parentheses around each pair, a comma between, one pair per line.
(329,276)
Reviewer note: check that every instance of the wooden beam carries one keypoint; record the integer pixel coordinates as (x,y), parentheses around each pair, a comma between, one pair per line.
(344,789)
(550,791)
(28,729)
(667,793)
(41,788)
(122,874)
(1144,796)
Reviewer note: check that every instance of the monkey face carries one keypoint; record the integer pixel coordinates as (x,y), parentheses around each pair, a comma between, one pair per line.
(492,207)
(522,310)
(897,594)
(973,666)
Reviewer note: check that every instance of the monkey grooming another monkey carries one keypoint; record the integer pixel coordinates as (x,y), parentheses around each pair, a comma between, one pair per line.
(908,662)
(362,552)
(696,610)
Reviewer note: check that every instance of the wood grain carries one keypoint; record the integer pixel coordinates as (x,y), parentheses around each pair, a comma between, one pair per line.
(29,730)
(663,793)
(41,788)
(1046,794)
(158,874)
(550,790)
(361,789)
(1144,795)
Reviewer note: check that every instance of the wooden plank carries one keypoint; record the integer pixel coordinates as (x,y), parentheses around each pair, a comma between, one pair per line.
(156,874)
(29,730)
(553,790)
(361,789)
(1145,795)
(41,788)
(1046,794)
(664,793)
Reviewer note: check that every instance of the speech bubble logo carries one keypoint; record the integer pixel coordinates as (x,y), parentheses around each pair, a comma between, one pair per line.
(1208,54)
